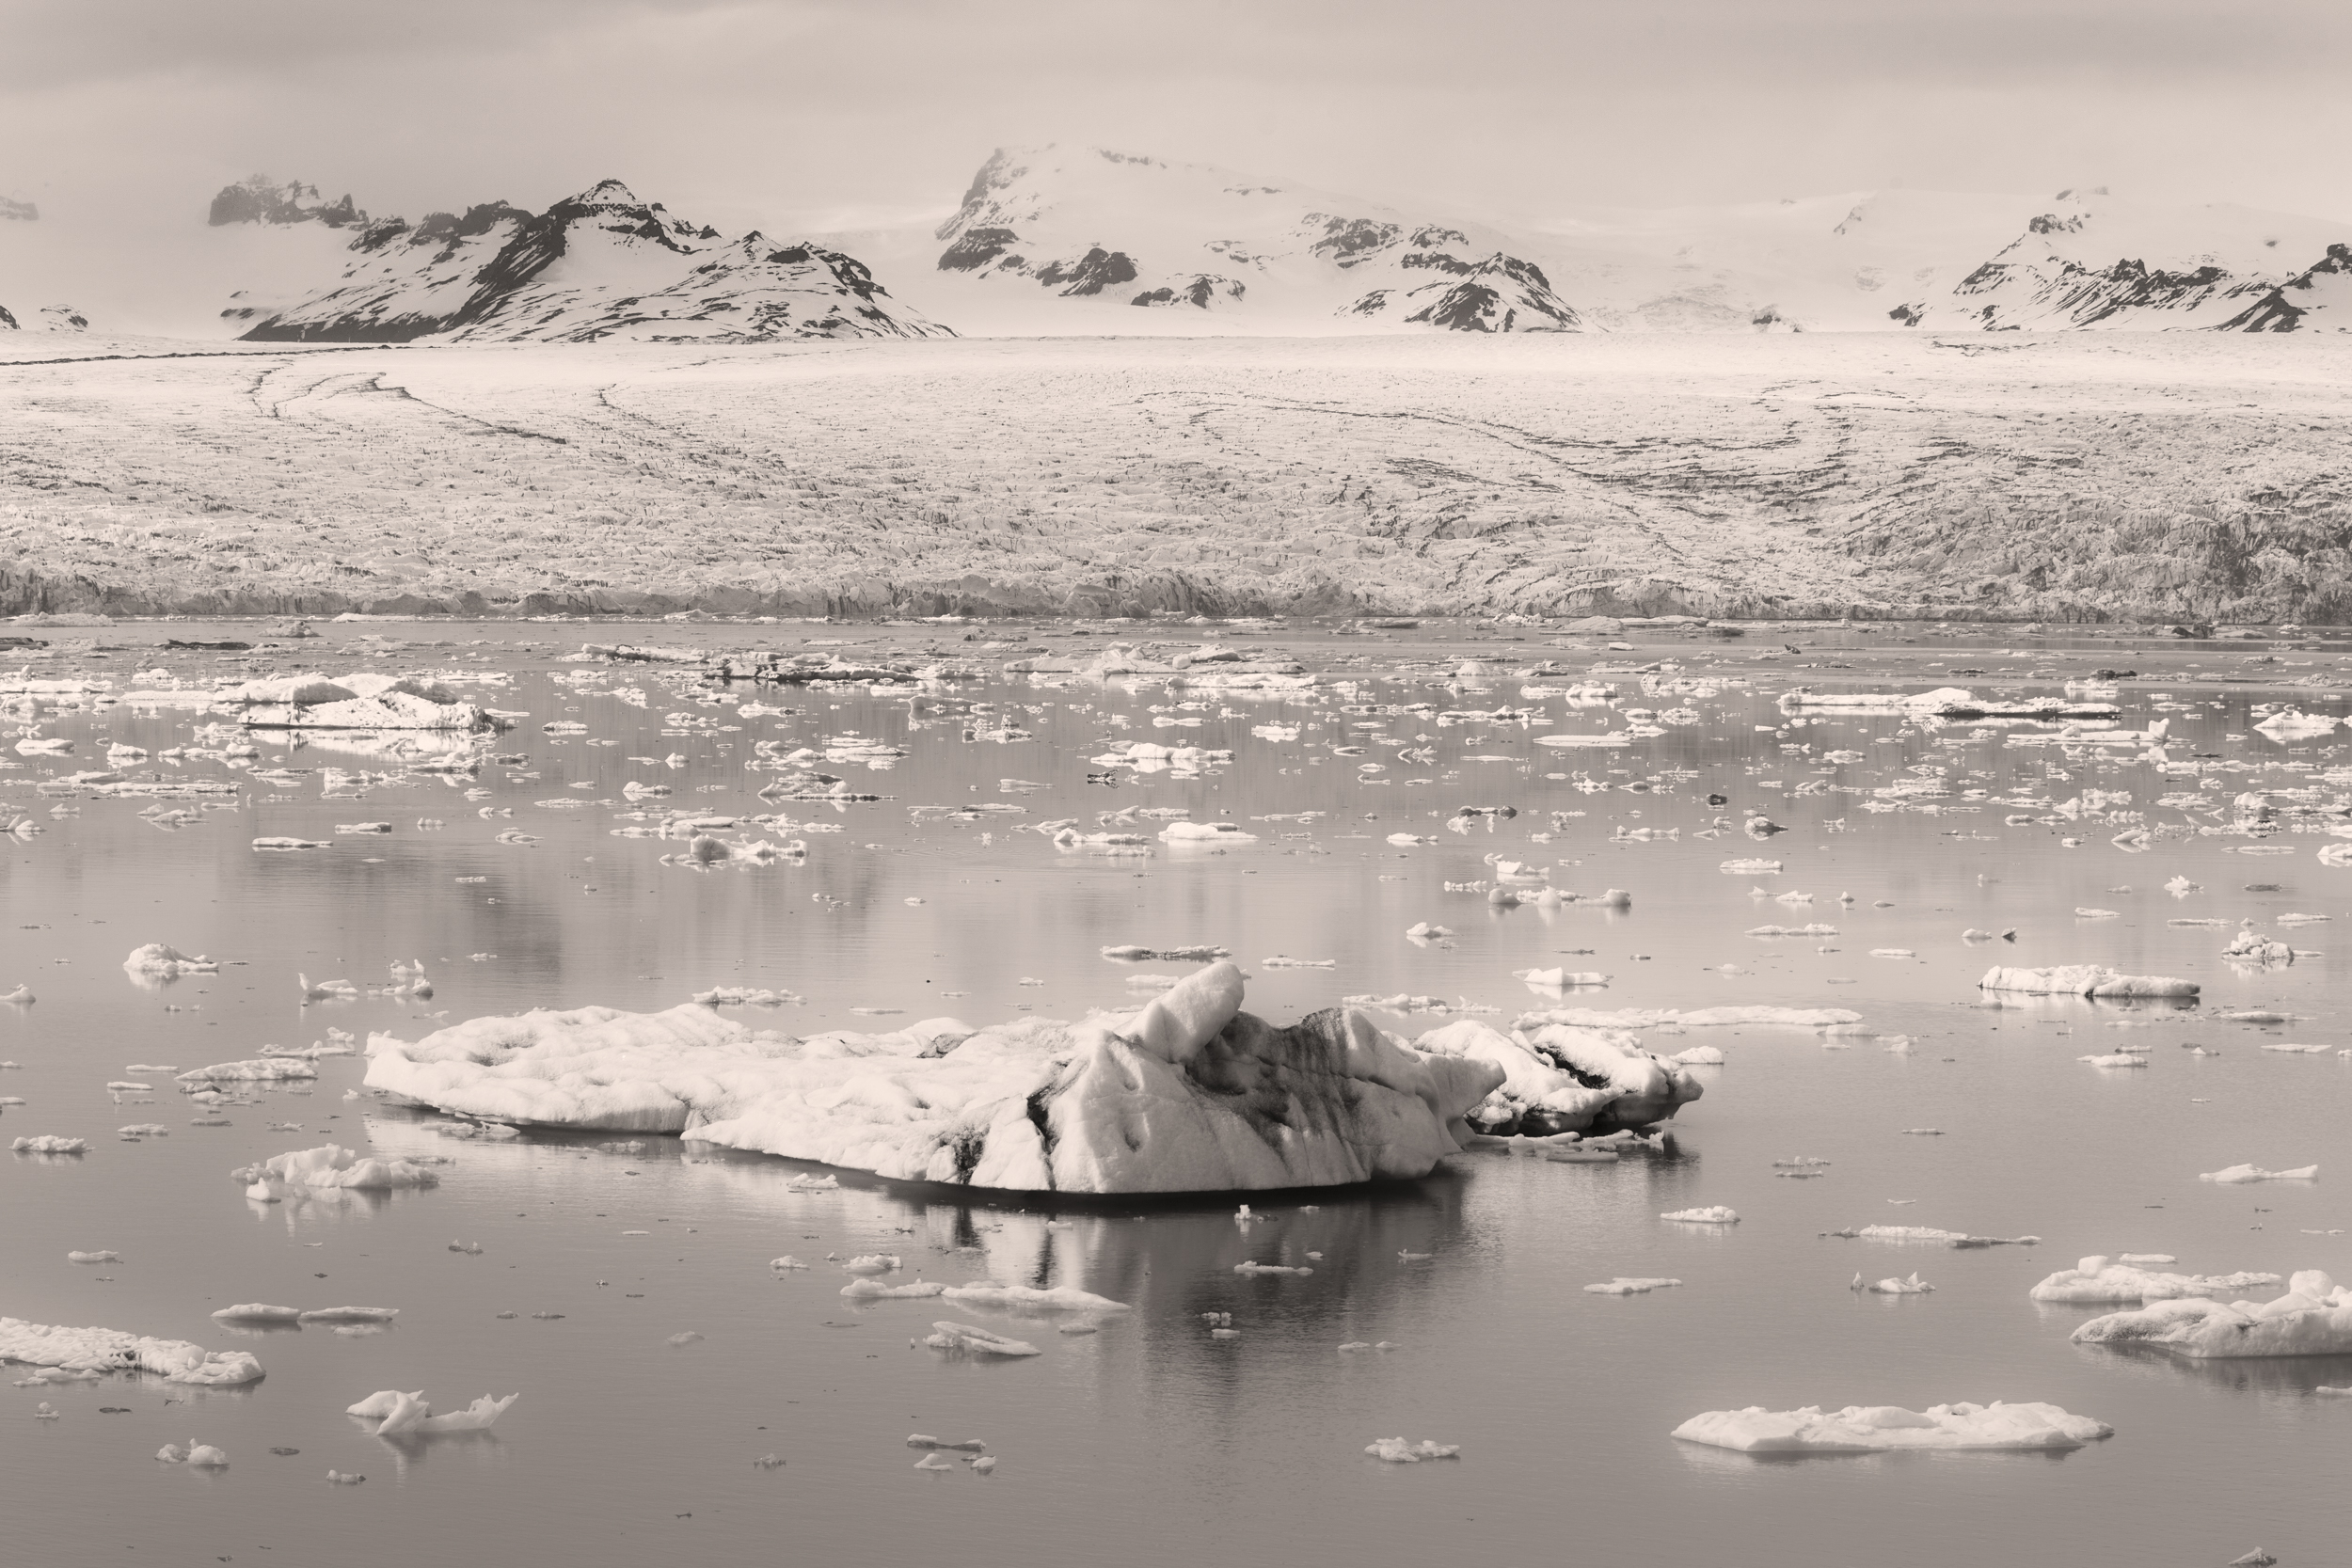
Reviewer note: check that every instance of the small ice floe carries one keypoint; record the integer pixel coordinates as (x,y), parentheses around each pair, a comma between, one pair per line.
(281,842)
(407,1414)
(21,997)
(1256,1268)
(2119,1058)
(2294,1047)
(1031,1298)
(871,1262)
(1870,1429)
(2100,1278)
(687,1338)
(93,1257)
(332,1165)
(1621,1286)
(874,1290)
(1717,1214)
(1913,1286)
(1929,1234)
(261,1070)
(1424,932)
(47,1143)
(2093,980)
(1559,979)
(767,1462)
(257,1312)
(1699,1055)
(2314,1317)
(969,1445)
(1191,834)
(2237,1174)
(1397,1450)
(743,996)
(968,1339)
(350,1315)
(472,1249)
(159,961)
(338,1478)
(787,1261)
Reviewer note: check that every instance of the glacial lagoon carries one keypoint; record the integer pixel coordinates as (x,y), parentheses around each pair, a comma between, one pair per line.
(625,1284)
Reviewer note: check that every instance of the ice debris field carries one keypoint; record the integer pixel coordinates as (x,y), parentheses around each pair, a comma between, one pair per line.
(769,1035)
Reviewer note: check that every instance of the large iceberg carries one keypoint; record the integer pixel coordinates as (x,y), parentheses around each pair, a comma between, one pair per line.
(1869,1429)
(1188,1094)
(2314,1317)
(106,1349)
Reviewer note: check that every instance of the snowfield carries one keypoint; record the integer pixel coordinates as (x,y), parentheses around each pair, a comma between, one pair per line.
(2082,475)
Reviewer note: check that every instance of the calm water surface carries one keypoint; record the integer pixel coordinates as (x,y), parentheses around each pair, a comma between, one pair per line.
(1152,1441)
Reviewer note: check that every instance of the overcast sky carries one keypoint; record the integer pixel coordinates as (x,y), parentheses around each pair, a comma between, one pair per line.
(819,114)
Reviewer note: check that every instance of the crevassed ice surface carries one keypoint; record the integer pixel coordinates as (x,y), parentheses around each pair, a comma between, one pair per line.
(1153,1439)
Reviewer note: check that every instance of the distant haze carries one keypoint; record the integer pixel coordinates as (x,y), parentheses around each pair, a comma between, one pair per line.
(821,116)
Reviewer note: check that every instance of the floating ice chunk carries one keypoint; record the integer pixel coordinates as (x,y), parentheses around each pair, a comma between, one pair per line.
(1717,1214)
(1280,961)
(969,1445)
(1624,1286)
(1699,1055)
(1868,1429)
(2237,1174)
(411,1416)
(49,1143)
(1813,929)
(2100,1278)
(2119,1058)
(21,997)
(159,961)
(1397,1450)
(2297,1048)
(2093,980)
(932,1462)
(350,1315)
(976,1342)
(1255,1268)
(332,1166)
(108,1351)
(378,1406)
(689,1338)
(1424,932)
(787,1261)
(93,1257)
(262,1069)
(874,1290)
(257,1312)
(1060,1298)
(1913,1286)
(2314,1317)
(1206,833)
(871,1262)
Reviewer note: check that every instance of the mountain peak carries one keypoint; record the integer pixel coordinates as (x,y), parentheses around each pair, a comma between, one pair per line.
(257,198)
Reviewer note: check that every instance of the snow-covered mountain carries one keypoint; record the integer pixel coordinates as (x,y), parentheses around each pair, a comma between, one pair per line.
(1082,238)
(258,200)
(1059,239)
(598,265)
(48,318)
(2091,260)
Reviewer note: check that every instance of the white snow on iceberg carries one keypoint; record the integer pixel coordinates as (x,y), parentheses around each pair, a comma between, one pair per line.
(1871,1429)
(1189,1093)
(2314,1317)
(106,1349)
(2101,1278)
